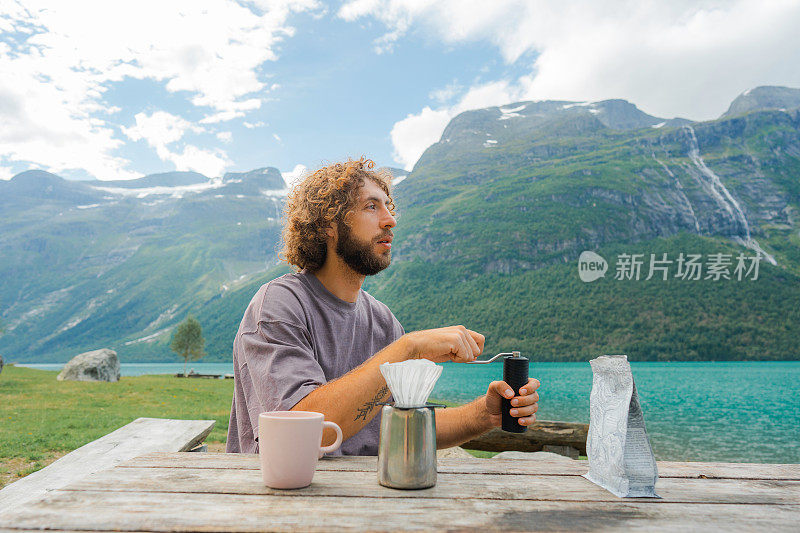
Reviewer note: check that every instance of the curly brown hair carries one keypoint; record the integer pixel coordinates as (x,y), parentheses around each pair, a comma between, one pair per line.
(323,198)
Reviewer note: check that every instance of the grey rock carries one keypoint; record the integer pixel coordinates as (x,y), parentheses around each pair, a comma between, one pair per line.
(455,451)
(97,365)
(566,451)
(1,364)
(533,455)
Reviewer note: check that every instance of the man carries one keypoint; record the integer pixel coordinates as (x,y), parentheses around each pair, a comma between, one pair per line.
(313,340)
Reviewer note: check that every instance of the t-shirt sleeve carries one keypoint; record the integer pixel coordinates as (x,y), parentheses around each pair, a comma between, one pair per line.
(398,328)
(282,366)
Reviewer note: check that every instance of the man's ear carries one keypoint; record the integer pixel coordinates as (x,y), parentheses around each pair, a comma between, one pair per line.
(331,231)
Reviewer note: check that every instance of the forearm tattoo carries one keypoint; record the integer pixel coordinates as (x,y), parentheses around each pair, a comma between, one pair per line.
(367,408)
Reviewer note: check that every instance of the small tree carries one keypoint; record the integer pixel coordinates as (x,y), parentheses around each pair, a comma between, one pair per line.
(188,341)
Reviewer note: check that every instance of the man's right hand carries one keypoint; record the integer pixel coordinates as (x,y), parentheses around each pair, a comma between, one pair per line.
(454,343)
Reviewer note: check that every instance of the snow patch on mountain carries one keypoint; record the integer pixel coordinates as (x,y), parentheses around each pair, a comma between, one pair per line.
(179,191)
(508,113)
(577,104)
(274,193)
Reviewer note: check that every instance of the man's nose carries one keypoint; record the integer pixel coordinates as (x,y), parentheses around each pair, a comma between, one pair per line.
(388,220)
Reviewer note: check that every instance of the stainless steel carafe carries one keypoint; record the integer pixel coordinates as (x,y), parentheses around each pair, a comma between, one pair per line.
(407,449)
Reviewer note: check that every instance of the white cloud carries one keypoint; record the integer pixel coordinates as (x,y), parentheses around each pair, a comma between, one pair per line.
(445,94)
(210,163)
(680,58)
(412,135)
(238,110)
(161,129)
(277,137)
(6,173)
(295,174)
(53,83)
(225,136)
(253,125)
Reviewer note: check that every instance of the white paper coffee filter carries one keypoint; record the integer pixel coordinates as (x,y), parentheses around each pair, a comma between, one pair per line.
(411,382)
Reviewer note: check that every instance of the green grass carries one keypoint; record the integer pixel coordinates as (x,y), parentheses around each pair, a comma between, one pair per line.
(40,416)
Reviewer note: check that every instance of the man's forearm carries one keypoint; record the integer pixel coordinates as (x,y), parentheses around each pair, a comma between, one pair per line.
(456,425)
(351,400)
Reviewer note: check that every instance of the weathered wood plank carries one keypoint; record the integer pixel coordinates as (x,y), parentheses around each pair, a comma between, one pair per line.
(135,511)
(764,471)
(143,435)
(542,433)
(666,469)
(493,486)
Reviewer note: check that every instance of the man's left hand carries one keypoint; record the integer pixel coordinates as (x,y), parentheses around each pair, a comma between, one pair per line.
(524,402)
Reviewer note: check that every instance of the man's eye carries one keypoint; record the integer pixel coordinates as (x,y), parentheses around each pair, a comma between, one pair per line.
(371,206)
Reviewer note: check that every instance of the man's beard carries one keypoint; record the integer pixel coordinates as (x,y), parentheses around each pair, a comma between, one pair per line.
(359,255)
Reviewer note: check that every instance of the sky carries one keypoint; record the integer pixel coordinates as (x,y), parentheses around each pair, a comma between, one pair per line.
(118,90)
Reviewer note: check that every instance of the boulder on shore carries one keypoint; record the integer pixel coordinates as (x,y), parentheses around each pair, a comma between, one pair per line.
(536,455)
(1,364)
(97,365)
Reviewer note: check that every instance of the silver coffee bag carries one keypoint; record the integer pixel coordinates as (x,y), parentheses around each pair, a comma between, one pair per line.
(621,459)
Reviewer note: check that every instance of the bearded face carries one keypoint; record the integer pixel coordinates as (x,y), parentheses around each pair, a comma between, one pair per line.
(364,256)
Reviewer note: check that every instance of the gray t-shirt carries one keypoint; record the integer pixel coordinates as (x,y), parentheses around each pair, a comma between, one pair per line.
(295,336)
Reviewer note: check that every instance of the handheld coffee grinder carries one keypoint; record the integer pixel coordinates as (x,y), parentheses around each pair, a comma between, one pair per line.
(515,373)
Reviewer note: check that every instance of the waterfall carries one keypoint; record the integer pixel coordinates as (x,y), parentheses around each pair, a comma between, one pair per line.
(715,188)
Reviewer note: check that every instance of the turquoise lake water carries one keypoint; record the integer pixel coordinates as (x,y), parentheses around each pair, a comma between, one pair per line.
(722,411)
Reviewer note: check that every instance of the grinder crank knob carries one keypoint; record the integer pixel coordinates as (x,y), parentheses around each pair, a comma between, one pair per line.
(515,373)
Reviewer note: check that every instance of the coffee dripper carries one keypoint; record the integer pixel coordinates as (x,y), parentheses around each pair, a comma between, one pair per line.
(407,448)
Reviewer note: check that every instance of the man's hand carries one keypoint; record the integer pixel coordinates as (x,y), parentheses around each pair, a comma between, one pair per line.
(523,406)
(457,425)
(454,343)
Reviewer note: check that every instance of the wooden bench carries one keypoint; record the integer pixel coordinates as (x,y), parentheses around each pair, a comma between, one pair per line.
(143,435)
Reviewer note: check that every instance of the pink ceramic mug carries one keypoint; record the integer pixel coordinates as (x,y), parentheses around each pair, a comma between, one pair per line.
(289,444)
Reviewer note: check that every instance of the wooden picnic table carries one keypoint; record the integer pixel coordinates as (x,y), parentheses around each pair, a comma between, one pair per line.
(224,492)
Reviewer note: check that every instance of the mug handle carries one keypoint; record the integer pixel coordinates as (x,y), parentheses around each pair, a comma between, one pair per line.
(335,446)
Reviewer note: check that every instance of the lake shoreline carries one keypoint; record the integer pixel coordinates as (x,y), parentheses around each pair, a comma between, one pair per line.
(689,408)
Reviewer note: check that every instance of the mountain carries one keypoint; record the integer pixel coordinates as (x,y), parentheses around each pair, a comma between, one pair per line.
(496,214)
(398,173)
(559,162)
(163,179)
(764,98)
(27,189)
(82,265)
(261,179)
(493,219)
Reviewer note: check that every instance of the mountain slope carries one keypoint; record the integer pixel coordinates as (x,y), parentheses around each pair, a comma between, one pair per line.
(544,196)
(127,266)
(492,221)
(764,98)
(163,179)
